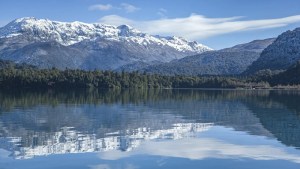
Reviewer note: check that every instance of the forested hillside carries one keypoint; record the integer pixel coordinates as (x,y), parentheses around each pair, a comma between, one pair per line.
(280,55)
(229,61)
(24,76)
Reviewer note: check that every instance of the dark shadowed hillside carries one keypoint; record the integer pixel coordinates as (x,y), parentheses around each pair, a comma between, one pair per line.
(280,55)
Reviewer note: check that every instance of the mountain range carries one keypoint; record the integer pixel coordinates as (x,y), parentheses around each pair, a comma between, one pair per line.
(76,45)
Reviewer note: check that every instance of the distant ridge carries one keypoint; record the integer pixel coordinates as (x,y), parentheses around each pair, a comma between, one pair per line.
(229,61)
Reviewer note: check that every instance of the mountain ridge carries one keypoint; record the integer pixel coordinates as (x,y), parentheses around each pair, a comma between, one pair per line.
(280,55)
(87,46)
(228,61)
(69,33)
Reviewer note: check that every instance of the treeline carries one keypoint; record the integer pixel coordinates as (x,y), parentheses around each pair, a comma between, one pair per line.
(280,78)
(24,76)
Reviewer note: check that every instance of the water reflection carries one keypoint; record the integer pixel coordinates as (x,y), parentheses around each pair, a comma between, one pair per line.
(68,140)
(205,147)
(191,124)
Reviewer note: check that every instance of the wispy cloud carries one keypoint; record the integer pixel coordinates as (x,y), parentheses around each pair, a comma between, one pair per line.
(196,27)
(101,7)
(162,12)
(129,8)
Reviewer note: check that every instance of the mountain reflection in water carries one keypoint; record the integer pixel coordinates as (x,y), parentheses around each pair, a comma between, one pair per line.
(192,124)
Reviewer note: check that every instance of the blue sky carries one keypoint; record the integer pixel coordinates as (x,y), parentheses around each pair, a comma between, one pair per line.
(215,23)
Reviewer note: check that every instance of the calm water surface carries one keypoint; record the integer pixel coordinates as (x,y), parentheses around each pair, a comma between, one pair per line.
(150,129)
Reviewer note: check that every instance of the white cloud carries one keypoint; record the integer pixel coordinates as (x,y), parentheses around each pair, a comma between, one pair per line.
(118,20)
(129,8)
(196,27)
(101,7)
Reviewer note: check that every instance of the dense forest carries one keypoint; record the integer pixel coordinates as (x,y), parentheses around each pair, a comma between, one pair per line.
(25,76)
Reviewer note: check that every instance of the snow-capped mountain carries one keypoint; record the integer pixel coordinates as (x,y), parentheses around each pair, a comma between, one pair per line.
(47,43)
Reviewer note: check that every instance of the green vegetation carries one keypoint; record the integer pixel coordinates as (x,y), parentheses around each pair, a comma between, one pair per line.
(24,76)
(289,78)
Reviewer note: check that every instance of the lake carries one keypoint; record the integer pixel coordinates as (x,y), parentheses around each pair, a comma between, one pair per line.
(130,129)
